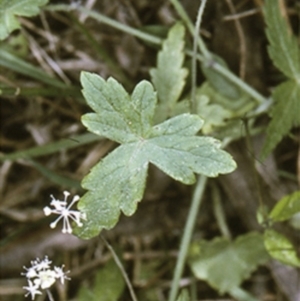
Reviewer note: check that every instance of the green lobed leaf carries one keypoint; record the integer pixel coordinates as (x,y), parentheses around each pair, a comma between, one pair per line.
(108,285)
(280,248)
(225,264)
(285,114)
(117,182)
(286,207)
(283,49)
(9,9)
(169,76)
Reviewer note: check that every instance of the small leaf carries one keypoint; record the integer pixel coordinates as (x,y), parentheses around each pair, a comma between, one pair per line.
(285,114)
(118,181)
(169,76)
(237,107)
(108,285)
(9,9)
(220,83)
(184,296)
(280,248)
(283,49)
(213,115)
(225,264)
(286,207)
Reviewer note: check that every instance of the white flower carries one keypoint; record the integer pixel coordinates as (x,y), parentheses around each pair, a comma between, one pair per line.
(41,276)
(46,278)
(60,274)
(64,212)
(31,272)
(32,290)
(42,265)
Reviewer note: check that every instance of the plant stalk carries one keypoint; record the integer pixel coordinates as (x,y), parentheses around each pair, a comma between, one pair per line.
(219,212)
(184,16)
(187,235)
(49,294)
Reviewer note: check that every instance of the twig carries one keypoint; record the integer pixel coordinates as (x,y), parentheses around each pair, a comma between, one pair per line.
(183,15)
(243,49)
(121,267)
(241,15)
(194,57)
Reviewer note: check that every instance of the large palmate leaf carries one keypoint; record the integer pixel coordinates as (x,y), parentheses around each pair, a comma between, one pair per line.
(117,182)
(9,9)
(225,264)
(285,53)
(168,77)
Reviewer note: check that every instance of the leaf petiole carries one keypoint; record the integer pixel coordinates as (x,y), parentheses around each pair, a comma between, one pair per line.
(187,235)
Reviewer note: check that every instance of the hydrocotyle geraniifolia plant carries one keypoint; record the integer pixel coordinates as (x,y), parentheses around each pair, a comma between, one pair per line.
(118,181)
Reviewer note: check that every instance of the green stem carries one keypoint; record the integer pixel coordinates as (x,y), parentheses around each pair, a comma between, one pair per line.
(234,79)
(183,15)
(255,174)
(121,267)
(187,234)
(32,91)
(219,212)
(239,82)
(52,147)
(193,105)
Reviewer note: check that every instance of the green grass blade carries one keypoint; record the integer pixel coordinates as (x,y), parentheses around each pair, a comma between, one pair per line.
(18,65)
(56,178)
(66,143)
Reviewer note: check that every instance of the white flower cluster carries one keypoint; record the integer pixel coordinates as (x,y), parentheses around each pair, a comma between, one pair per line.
(64,212)
(41,276)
